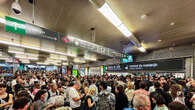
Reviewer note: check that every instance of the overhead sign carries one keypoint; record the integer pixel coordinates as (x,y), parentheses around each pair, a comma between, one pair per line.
(114,68)
(161,65)
(15,26)
(20,27)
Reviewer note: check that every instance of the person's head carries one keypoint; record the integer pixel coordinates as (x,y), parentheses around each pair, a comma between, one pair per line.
(160,100)
(37,85)
(40,95)
(162,80)
(166,87)
(21,103)
(94,81)
(20,81)
(151,79)
(54,87)
(176,91)
(142,85)
(77,85)
(157,85)
(140,102)
(103,85)
(59,101)
(34,76)
(130,85)
(177,106)
(119,89)
(2,88)
(86,90)
(17,77)
(91,91)
(21,93)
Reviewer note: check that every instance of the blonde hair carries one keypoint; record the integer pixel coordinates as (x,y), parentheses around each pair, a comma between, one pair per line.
(130,85)
(91,91)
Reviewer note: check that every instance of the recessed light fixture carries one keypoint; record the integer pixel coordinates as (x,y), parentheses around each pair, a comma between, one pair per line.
(144,16)
(159,40)
(172,23)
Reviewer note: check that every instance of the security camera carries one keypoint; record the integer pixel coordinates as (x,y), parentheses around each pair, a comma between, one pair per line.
(16,7)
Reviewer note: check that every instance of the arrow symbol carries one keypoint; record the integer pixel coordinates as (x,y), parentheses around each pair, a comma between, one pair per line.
(65,39)
(15,26)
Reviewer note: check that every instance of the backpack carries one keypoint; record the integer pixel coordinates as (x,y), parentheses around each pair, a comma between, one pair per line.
(104,102)
(49,94)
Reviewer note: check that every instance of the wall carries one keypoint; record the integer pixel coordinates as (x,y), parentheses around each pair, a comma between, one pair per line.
(186,51)
(167,53)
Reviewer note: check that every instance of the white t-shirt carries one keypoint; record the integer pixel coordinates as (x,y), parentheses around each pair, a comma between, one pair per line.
(14,83)
(73,94)
(32,81)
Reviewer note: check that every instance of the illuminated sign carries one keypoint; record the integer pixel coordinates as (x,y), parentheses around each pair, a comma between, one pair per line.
(161,65)
(15,26)
(20,27)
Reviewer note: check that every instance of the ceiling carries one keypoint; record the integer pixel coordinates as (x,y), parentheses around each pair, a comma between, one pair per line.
(78,16)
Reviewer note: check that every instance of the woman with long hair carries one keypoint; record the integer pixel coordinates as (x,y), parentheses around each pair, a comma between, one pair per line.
(89,103)
(129,91)
(121,98)
(177,93)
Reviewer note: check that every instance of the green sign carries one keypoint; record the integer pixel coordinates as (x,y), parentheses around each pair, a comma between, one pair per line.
(15,26)
(75,73)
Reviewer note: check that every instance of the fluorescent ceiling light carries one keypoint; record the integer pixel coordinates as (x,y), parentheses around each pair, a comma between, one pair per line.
(32,54)
(25,57)
(53,60)
(4,58)
(24,60)
(114,19)
(16,52)
(142,49)
(124,30)
(58,57)
(79,60)
(110,15)
(91,59)
(65,64)
(34,48)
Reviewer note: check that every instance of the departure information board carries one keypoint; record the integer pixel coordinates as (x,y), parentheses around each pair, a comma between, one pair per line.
(163,65)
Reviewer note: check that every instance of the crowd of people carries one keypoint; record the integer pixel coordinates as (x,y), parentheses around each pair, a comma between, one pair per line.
(41,90)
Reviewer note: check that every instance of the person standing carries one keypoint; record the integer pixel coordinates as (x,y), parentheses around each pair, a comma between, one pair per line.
(74,97)
(6,99)
(106,99)
(89,103)
(121,98)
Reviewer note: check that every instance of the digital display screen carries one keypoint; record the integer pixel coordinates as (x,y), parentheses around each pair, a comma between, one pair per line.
(127,59)
(166,65)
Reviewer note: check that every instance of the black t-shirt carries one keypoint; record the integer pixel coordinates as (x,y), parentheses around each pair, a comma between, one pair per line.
(6,99)
(86,107)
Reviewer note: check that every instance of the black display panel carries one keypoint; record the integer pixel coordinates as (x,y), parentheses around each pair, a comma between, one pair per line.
(114,68)
(161,65)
